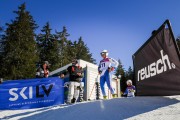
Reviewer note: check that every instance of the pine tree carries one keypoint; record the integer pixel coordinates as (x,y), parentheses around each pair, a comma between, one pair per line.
(82,51)
(1,29)
(1,50)
(1,41)
(70,52)
(121,72)
(64,46)
(129,73)
(48,47)
(20,48)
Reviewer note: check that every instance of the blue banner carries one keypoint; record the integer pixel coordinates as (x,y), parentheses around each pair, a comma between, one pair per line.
(31,93)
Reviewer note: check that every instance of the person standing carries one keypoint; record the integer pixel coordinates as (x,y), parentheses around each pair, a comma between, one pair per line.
(75,77)
(43,70)
(130,90)
(105,69)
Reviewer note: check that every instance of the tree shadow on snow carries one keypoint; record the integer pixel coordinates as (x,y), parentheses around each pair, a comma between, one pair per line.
(115,109)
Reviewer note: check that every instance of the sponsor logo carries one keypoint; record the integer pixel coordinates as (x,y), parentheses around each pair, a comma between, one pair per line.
(41,91)
(160,66)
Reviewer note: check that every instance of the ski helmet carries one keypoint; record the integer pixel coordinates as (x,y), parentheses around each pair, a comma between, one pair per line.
(104,52)
(129,81)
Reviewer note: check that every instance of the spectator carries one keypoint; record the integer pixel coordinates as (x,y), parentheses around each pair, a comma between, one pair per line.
(43,70)
(130,90)
(75,77)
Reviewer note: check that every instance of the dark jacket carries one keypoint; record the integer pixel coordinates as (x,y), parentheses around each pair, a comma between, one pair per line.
(73,76)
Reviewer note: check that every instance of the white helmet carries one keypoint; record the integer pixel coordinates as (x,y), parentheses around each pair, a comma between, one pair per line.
(104,52)
(129,81)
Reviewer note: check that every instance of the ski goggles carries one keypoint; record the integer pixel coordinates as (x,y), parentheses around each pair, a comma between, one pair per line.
(103,53)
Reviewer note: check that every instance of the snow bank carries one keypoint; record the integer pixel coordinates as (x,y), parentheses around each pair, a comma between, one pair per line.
(142,108)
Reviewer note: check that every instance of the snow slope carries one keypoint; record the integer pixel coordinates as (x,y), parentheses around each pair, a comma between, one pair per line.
(138,108)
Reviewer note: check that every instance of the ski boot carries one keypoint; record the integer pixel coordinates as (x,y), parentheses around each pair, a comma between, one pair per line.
(73,100)
(105,97)
(114,95)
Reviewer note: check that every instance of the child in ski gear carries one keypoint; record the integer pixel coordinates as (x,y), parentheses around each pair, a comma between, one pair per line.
(105,69)
(43,70)
(75,77)
(130,90)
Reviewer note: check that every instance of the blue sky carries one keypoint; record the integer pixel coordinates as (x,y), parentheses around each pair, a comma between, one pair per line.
(120,26)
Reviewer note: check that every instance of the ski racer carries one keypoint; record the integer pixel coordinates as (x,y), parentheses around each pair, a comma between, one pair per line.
(105,69)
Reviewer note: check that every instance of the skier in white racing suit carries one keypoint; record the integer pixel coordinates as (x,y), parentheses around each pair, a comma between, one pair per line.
(106,66)
(75,77)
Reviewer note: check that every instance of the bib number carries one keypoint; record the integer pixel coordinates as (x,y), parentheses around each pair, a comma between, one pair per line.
(102,65)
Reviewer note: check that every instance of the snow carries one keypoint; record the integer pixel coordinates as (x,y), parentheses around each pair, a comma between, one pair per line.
(138,108)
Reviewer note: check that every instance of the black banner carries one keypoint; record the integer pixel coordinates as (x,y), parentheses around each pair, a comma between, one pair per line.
(157,65)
